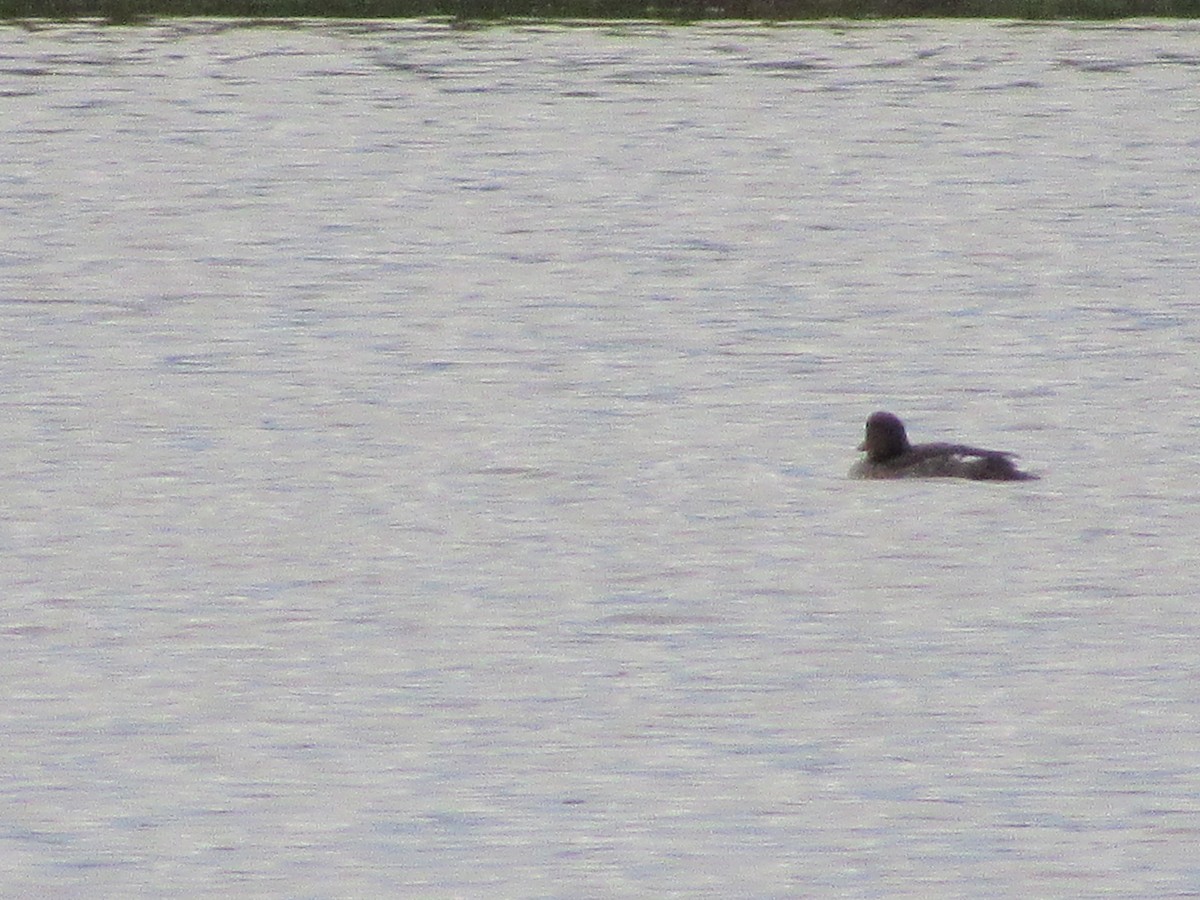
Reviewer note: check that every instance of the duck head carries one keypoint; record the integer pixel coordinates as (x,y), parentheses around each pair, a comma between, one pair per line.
(886,438)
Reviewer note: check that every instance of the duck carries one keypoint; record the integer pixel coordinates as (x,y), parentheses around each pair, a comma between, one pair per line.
(890,455)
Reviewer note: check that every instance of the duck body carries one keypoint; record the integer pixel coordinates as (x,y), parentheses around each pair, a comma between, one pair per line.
(890,455)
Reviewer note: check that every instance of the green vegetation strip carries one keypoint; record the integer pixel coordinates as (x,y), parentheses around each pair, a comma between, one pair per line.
(465,11)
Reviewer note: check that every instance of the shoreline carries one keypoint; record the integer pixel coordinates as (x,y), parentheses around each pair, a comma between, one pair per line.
(463,12)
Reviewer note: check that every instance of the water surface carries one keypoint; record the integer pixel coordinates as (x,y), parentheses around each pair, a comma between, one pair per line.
(424,460)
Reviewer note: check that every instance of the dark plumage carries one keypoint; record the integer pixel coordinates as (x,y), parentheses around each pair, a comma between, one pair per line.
(890,455)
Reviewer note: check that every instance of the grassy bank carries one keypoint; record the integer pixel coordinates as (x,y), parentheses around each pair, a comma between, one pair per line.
(672,10)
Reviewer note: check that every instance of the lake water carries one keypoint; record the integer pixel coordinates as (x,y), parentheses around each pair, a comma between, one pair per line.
(424,454)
